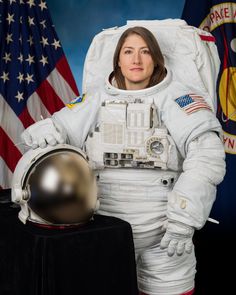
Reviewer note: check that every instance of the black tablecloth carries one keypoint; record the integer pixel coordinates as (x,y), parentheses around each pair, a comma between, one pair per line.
(97,258)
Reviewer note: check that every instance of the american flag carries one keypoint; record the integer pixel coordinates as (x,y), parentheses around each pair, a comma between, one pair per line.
(35,78)
(191,103)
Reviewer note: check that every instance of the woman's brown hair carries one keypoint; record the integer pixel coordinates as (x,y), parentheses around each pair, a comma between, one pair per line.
(159,68)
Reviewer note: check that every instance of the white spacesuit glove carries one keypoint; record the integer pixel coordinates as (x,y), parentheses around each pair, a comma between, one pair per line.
(177,238)
(42,133)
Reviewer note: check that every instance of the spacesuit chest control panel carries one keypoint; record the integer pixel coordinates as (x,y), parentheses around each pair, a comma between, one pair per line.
(129,134)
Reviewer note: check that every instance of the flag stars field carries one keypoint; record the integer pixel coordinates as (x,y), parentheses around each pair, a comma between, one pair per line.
(20,77)
(30,40)
(4,76)
(10,18)
(20,58)
(44,60)
(31,21)
(19,96)
(44,41)
(42,5)
(30,59)
(31,3)
(43,23)
(7,57)
(56,44)
(29,78)
(9,38)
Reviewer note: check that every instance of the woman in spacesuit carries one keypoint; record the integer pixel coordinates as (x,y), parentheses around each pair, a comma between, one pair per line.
(154,144)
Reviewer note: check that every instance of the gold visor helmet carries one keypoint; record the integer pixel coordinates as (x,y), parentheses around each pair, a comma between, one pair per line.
(55,186)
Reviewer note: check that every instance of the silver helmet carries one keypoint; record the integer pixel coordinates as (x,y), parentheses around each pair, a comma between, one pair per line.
(55,185)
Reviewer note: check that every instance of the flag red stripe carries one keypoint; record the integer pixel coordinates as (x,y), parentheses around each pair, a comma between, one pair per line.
(64,69)
(194,104)
(25,118)
(208,38)
(190,110)
(49,97)
(8,151)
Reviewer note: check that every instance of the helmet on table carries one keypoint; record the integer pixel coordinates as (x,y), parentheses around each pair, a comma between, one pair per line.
(55,185)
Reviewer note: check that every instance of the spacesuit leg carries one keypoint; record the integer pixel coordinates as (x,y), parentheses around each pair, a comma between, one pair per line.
(160,274)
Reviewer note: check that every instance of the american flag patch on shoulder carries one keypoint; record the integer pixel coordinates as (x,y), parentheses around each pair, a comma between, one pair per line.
(191,103)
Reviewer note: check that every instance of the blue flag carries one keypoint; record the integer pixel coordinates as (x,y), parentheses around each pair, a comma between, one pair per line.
(219,18)
(35,78)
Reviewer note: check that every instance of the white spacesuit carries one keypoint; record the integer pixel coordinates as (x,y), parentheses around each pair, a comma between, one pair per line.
(158,157)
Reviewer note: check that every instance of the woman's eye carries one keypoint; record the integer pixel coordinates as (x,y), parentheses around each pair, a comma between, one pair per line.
(128,51)
(145,51)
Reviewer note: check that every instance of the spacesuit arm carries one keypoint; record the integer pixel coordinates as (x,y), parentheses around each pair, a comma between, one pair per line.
(71,124)
(197,138)
(194,193)
(78,118)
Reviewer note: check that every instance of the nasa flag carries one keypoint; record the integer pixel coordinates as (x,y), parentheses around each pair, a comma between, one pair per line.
(219,18)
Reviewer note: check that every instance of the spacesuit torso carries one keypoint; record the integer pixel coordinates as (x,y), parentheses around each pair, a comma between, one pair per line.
(137,142)
(129,132)
(136,159)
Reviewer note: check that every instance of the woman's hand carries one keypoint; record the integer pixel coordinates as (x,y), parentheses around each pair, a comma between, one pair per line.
(178,238)
(42,133)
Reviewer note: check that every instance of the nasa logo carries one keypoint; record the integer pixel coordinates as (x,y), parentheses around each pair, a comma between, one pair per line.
(221,22)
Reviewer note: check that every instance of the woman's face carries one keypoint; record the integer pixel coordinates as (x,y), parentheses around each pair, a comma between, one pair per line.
(135,62)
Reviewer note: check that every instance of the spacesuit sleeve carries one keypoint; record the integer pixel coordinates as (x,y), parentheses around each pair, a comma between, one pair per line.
(78,117)
(197,136)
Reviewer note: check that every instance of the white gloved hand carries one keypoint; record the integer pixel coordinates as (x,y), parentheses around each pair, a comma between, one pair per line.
(42,133)
(177,238)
